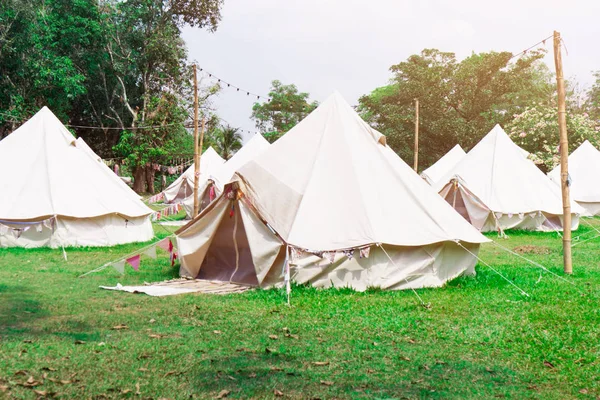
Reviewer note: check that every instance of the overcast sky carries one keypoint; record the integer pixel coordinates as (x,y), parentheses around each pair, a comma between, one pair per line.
(349,45)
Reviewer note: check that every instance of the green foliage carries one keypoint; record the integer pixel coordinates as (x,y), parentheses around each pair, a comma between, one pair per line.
(226,140)
(286,108)
(594,99)
(536,130)
(459,101)
(480,339)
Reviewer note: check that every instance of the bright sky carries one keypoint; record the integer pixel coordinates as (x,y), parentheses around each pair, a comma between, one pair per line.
(349,45)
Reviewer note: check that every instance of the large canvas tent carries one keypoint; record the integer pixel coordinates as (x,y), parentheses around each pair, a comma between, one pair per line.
(495,187)
(213,186)
(183,186)
(54,194)
(584,173)
(332,198)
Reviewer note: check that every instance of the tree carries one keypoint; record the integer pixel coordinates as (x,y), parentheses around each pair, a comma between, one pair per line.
(536,130)
(593,100)
(285,109)
(459,101)
(226,140)
(151,85)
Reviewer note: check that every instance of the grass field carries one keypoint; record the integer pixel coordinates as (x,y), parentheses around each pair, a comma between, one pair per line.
(480,338)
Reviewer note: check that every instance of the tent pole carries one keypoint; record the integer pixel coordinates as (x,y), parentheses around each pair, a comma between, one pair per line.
(564,156)
(196,155)
(416,156)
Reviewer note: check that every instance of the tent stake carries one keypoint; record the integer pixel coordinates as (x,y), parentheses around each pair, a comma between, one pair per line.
(564,156)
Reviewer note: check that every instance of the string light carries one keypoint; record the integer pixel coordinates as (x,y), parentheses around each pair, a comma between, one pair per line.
(237,88)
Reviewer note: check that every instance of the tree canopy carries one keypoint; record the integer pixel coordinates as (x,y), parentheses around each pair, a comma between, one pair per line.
(459,101)
(287,107)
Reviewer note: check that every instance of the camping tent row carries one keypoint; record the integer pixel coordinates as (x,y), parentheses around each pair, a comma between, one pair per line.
(61,194)
(496,187)
(584,175)
(329,204)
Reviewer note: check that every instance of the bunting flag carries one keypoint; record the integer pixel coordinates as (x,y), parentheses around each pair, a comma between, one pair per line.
(165,244)
(211,193)
(8,226)
(151,252)
(173,258)
(365,251)
(134,262)
(329,256)
(119,266)
(349,254)
(156,198)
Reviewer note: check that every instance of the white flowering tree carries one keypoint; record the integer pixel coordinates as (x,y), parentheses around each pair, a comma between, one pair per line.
(536,130)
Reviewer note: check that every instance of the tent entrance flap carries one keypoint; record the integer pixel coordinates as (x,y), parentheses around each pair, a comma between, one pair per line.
(229,258)
(466,204)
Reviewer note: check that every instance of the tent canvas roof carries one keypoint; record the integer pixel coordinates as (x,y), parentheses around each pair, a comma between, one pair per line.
(256,145)
(332,183)
(443,165)
(49,175)
(584,170)
(496,171)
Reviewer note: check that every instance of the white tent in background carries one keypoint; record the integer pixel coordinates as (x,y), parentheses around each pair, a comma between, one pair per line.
(81,144)
(441,167)
(52,193)
(584,171)
(183,186)
(222,175)
(344,207)
(495,187)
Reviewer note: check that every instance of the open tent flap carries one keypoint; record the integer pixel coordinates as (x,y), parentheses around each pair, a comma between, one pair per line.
(230,243)
(409,267)
(467,204)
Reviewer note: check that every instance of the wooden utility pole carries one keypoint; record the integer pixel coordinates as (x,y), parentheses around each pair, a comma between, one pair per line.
(564,156)
(416,156)
(196,150)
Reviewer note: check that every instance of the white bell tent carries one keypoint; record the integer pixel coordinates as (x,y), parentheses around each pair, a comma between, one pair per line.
(496,187)
(54,194)
(441,167)
(214,185)
(584,173)
(340,205)
(183,186)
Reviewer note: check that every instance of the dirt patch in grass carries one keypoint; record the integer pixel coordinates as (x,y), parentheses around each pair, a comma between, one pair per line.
(531,249)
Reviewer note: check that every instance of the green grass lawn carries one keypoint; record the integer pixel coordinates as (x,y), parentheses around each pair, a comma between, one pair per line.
(480,338)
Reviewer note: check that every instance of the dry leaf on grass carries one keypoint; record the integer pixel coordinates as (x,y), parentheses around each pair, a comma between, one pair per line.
(277,393)
(43,393)
(276,369)
(252,375)
(172,373)
(223,393)
(152,321)
(405,358)
(289,335)
(48,369)
(27,341)
(22,372)
(549,364)
(125,391)
(79,342)
(155,336)
(273,337)
(320,363)
(137,388)
(143,369)
(217,332)
(119,327)
(327,383)
(4,388)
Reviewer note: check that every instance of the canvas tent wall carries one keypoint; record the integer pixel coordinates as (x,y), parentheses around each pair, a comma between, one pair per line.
(584,173)
(501,189)
(60,196)
(183,186)
(329,192)
(443,165)
(222,175)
